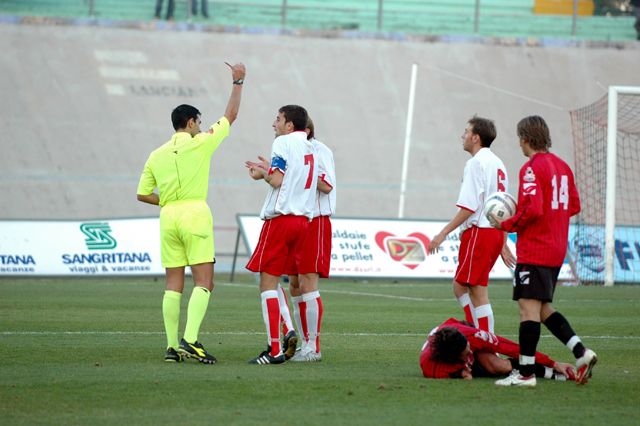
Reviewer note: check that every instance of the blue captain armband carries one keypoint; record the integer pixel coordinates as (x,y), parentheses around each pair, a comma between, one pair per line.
(278,163)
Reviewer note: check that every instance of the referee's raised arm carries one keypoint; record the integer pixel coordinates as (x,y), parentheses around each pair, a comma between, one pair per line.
(238,72)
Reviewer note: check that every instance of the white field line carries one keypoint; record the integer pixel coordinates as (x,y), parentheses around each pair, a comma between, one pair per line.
(241,333)
(352,293)
(253,333)
(414,299)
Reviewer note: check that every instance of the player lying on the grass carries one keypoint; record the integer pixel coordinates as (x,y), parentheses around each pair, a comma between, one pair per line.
(457,350)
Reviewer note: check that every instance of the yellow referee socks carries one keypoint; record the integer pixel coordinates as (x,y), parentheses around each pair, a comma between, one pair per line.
(195,313)
(171,315)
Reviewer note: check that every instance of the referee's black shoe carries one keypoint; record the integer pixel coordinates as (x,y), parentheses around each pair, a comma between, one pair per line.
(196,351)
(266,358)
(172,356)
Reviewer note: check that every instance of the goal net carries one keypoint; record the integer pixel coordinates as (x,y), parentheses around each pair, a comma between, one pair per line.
(605,239)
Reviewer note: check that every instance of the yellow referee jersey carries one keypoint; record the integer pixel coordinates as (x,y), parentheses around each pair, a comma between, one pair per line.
(180,167)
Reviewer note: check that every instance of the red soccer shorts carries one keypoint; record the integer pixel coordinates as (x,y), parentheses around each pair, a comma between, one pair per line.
(316,250)
(280,245)
(479,250)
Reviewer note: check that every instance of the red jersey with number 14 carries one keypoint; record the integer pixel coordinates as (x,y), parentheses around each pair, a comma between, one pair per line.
(479,341)
(547,198)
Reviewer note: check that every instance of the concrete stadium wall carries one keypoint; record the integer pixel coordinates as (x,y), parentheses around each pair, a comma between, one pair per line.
(83,106)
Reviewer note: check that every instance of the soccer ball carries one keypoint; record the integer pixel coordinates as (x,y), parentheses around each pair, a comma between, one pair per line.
(498,207)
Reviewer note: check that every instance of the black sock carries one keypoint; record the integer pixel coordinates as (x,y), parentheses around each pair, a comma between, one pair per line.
(528,338)
(538,369)
(560,327)
(515,364)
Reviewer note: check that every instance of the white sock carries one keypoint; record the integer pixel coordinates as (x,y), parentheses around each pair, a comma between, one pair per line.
(469,311)
(314,318)
(484,317)
(285,314)
(573,342)
(525,360)
(296,300)
(548,373)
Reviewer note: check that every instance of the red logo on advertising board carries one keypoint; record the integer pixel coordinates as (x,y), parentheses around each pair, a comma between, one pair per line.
(410,250)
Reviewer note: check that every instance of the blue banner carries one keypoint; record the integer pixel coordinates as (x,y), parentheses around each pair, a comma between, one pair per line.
(587,244)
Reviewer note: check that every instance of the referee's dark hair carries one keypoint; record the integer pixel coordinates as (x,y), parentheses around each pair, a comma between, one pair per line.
(296,115)
(448,344)
(181,115)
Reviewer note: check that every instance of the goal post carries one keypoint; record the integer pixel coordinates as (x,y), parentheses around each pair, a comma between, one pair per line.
(605,244)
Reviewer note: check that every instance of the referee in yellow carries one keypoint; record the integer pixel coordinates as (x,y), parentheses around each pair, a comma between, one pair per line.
(180,171)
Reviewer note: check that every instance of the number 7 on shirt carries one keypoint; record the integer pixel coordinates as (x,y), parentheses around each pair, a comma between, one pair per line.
(309,160)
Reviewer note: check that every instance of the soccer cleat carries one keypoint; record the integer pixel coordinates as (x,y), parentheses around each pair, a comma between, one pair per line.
(584,366)
(515,379)
(266,358)
(307,356)
(571,374)
(289,344)
(197,351)
(172,356)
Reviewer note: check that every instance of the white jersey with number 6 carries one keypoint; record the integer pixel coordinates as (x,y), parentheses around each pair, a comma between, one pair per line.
(326,203)
(484,174)
(294,156)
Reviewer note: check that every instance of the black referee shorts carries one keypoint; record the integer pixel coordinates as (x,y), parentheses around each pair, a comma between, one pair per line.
(535,282)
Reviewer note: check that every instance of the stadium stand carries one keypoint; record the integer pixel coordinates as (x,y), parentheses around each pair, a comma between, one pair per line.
(500,18)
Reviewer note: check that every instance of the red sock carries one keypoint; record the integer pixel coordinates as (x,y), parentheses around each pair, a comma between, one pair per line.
(303,320)
(271,317)
(468,316)
(483,323)
(274,324)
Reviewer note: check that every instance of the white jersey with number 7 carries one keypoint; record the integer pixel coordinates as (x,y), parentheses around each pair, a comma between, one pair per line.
(294,156)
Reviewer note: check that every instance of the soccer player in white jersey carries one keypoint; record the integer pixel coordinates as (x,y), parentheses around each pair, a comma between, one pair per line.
(287,212)
(480,245)
(316,259)
(316,256)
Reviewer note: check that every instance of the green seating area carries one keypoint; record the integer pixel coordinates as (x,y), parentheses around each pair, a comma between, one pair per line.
(500,18)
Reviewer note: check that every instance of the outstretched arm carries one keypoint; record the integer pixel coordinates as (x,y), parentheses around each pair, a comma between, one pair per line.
(237,73)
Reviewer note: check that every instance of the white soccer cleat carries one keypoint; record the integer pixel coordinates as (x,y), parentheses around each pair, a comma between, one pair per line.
(584,366)
(515,379)
(307,355)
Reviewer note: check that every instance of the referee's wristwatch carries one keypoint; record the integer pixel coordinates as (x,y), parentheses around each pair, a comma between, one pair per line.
(239,81)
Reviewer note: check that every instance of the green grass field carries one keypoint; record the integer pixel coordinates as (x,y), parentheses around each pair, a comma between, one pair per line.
(90,351)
